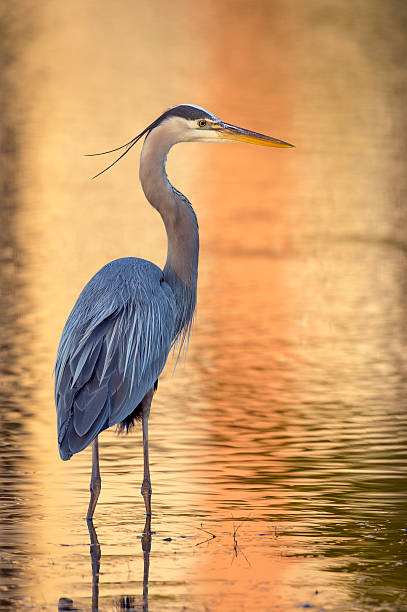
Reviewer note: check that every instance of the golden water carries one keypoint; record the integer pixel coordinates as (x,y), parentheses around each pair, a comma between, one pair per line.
(284,432)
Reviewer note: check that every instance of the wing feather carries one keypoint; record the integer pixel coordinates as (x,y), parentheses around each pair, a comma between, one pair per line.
(113,348)
(87,408)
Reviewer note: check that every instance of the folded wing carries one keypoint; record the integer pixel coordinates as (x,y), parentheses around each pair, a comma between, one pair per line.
(113,348)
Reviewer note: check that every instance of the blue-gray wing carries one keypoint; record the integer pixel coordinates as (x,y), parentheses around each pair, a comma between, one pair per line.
(113,348)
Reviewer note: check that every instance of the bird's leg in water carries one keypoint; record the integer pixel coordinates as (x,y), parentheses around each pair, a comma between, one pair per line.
(146,486)
(95,481)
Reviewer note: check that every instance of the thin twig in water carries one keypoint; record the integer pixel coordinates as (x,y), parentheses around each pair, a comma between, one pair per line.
(236,547)
(206,531)
(213,536)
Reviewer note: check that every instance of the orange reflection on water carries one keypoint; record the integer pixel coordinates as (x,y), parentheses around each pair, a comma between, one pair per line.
(247,232)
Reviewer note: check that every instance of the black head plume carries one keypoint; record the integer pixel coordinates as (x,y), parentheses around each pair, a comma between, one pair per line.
(126,146)
(186,111)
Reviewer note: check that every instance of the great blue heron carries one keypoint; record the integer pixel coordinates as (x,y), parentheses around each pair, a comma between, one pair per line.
(118,336)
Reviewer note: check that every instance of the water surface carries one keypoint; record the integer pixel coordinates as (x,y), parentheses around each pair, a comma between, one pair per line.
(278,448)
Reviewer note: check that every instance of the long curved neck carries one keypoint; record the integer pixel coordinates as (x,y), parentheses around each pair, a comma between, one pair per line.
(181,268)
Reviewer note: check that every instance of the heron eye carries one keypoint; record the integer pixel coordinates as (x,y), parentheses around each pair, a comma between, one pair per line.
(202,123)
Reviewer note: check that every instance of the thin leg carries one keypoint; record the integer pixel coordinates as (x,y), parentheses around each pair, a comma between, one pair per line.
(146,486)
(95,481)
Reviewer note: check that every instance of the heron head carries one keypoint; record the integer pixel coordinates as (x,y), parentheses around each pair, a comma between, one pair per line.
(190,123)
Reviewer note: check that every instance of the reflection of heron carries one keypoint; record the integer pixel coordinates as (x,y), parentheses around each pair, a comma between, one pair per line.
(117,338)
(126,602)
(95,554)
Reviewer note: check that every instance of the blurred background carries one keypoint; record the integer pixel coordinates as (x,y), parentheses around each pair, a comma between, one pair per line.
(284,432)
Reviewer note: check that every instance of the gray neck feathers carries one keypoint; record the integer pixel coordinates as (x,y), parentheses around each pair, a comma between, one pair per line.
(181,268)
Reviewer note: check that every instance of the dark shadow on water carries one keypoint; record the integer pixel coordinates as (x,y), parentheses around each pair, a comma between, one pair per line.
(14,374)
(126,602)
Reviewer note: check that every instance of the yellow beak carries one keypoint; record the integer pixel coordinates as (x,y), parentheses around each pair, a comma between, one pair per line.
(231,132)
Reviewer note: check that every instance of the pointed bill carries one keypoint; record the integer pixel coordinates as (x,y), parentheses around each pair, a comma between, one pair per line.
(232,132)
